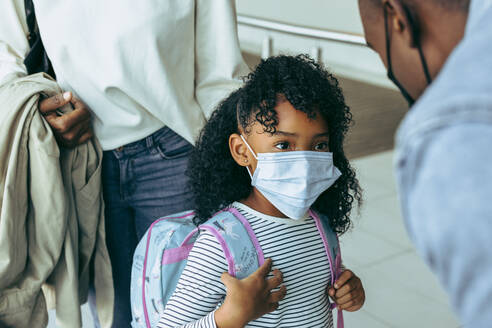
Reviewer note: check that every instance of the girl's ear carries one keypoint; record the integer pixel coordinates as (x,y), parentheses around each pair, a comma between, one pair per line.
(239,150)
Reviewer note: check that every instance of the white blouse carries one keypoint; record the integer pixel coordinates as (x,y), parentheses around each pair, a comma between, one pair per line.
(138,65)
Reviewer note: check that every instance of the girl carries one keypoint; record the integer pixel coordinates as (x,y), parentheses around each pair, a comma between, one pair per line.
(272,150)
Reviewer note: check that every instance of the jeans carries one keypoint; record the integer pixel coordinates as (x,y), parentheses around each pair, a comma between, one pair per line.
(142,182)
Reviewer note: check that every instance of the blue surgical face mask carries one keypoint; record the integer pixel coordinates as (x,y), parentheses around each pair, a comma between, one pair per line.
(292,181)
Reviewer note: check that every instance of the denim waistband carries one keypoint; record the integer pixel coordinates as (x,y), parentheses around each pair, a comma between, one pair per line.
(146,143)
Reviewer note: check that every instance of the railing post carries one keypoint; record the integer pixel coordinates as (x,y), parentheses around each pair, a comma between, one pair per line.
(317,54)
(267,47)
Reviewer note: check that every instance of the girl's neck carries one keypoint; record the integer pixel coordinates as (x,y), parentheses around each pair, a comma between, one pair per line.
(259,203)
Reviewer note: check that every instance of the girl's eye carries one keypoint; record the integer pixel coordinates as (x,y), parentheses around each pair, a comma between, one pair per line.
(282,145)
(322,146)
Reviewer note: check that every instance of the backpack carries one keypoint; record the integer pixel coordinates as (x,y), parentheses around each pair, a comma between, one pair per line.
(161,256)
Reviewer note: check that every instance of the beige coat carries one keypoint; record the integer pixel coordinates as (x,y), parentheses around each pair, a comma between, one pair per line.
(51,216)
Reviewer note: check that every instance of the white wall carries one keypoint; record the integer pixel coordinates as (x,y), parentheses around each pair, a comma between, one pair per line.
(339,15)
(356,62)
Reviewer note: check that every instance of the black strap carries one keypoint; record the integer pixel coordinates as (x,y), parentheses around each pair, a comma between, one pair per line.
(36,59)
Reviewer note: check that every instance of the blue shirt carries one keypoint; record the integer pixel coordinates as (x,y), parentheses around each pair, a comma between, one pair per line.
(444,171)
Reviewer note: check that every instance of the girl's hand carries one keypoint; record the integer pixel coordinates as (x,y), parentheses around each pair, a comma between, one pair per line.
(348,292)
(250,298)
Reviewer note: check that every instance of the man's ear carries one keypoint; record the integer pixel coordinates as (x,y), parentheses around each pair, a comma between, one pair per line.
(239,150)
(402,21)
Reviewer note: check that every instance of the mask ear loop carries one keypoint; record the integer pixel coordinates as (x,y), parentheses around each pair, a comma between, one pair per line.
(252,152)
(391,74)
(244,139)
(417,43)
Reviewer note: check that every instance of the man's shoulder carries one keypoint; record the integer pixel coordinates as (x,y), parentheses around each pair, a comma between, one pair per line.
(432,116)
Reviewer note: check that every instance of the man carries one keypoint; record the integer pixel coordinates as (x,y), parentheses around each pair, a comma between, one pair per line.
(439,52)
(150,72)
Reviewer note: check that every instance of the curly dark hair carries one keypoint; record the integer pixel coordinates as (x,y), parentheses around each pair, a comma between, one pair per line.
(217,180)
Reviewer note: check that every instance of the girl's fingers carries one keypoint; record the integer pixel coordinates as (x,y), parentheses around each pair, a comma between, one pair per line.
(277,296)
(354,308)
(275,281)
(227,279)
(331,291)
(357,301)
(264,269)
(347,288)
(348,297)
(272,307)
(344,277)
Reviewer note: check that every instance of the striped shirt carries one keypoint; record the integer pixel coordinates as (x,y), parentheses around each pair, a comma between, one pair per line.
(296,249)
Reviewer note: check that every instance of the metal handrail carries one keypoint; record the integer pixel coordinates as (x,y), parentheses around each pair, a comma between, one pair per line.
(307,32)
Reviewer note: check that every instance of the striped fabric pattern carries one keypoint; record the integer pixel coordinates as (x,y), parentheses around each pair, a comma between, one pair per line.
(296,249)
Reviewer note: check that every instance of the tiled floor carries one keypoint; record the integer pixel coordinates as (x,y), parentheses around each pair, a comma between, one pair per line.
(401,292)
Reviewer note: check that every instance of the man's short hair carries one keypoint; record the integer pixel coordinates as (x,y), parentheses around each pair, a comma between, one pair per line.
(445,4)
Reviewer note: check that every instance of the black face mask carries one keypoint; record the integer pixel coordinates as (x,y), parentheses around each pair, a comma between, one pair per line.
(416,37)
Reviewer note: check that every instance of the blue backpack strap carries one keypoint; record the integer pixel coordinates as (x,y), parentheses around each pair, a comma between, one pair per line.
(332,248)
(239,243)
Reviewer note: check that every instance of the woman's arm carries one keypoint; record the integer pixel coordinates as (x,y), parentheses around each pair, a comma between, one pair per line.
(13,39)
(219,63)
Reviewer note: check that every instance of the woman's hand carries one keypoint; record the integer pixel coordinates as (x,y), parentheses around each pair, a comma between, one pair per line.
(250,298)
(70,129)
(348,292)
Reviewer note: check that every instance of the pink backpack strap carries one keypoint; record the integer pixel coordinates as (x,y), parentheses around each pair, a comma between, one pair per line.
(332,249)
(238,241)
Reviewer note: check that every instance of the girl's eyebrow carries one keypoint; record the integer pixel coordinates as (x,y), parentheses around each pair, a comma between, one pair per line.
(291,134)
(287,134)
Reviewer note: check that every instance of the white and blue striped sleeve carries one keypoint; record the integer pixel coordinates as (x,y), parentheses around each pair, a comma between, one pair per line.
(199,290)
